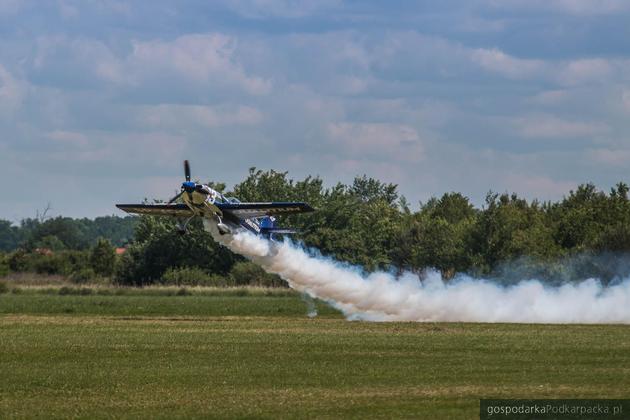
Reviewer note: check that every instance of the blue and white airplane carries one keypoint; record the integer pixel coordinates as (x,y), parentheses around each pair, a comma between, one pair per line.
(226,215)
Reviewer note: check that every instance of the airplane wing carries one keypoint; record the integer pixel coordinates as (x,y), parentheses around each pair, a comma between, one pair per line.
(176,210)
(248,210)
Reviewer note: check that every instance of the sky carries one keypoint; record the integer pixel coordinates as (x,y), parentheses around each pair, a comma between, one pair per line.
(102,100)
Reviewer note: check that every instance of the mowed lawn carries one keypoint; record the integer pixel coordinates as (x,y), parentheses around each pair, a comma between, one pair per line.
(262,357)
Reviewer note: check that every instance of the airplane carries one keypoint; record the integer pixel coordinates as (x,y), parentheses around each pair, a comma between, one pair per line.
(225,214)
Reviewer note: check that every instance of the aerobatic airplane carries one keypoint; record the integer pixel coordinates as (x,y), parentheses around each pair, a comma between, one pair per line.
(226,215)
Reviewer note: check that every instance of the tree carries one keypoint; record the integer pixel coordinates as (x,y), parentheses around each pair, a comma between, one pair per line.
(117,230)
(9,236)
(264,186)
(103,258)
(369,190)
(580,217)
(508,229)
(50,242)
(356,224)
(158,246)
(437,236)
(452,207)
(70,232)
(65,233)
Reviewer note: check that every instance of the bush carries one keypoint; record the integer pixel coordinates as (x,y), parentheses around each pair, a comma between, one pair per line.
(249,274)
(4,266)
(19,261)
(60,263)
(51,264)
(126,268)
(3,287)
(77,260)
(85,275)
(191,276)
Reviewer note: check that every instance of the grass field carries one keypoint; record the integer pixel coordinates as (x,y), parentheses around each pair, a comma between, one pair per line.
(225,355)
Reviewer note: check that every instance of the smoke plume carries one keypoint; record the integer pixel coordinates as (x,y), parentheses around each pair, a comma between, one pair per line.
(383,297)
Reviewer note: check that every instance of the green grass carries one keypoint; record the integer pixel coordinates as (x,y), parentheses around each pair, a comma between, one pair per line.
(190,356)
(159,305)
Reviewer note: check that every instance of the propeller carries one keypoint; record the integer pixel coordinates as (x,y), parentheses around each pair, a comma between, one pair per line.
(172,200)
(187,170)
(187,176)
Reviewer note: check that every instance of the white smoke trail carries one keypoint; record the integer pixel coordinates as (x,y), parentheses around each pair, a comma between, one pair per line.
(382,297)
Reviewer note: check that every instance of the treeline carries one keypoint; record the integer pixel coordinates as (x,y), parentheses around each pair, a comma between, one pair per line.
(65,233)
(82,250)
(101,264)
(367,223)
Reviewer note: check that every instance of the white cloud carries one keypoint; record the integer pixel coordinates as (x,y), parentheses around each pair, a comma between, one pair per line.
(80,57)
(575,72)
(592,6)
(69,138)
(581,71)
(384,171)
(204,58)
(378,141)
(259,9)
(552,127)
(515,68)
(119,7)
(410,56)
(12,92)
(67,9)
(574,7)
(187,116)
(611,157)
(481,25)
(550,97)
(625,98)
(10,7)
(537,185)
(116,148)
(346,93)
(309,59)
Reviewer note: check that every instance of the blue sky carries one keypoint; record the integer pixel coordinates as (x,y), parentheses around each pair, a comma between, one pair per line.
(101,100)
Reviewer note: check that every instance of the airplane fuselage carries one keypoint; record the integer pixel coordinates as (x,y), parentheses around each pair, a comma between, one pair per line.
(205,202)
(202,203)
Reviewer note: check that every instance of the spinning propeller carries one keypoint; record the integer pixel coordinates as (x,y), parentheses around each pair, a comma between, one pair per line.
(187,170)
(187,186)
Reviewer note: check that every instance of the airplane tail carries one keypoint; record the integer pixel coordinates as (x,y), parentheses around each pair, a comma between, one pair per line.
(268,227)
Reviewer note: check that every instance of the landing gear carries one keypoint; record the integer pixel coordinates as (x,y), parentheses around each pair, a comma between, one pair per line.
(223,228)
(182,228)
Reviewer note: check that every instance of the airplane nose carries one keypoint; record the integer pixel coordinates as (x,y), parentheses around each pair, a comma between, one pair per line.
(188,186)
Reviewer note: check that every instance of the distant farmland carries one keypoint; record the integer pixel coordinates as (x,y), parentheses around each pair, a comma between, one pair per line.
(256,354)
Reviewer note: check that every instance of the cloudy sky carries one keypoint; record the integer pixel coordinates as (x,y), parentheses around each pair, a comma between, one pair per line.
(101,100)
